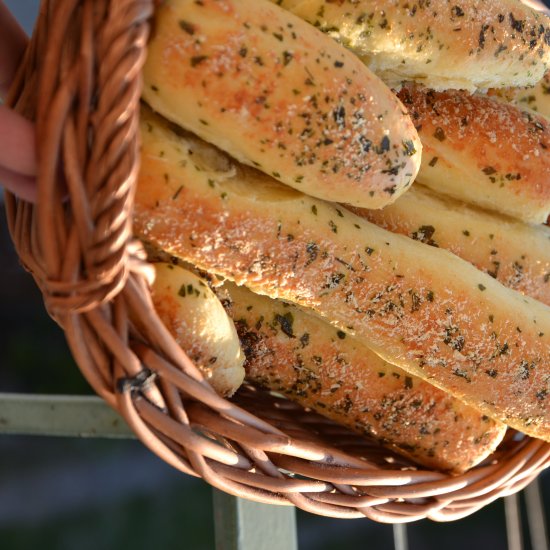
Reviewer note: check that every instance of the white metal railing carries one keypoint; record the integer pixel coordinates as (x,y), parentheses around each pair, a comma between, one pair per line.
(239,524)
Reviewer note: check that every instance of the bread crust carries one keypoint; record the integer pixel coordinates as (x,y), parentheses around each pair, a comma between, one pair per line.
(197,320)
(277,94)
(465,44)
(483,151)
(318,366)
(514,253)
(420,308)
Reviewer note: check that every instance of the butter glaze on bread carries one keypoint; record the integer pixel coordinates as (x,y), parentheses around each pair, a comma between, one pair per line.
(200,325)
(483,151)
(419,307)
(279,95)
(472,44)
(318,366)
(514,253)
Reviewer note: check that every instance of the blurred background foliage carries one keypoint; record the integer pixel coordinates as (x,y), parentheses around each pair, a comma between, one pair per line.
(68,494)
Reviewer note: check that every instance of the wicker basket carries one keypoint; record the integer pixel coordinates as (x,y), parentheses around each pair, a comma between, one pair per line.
(80,82)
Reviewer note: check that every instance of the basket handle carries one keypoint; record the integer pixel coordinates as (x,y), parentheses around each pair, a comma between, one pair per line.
(81,82)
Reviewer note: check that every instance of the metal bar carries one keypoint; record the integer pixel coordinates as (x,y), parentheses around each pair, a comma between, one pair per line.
(400,540)
(239,524)
(60,415)
(513,522)
(244,525)
(536,516)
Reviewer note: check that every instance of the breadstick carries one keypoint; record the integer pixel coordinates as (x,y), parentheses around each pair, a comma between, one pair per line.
(536,98)
(318,366)
(514,253)
(465,44)
(419,307)
(198,322)
(279,95)
(483,151)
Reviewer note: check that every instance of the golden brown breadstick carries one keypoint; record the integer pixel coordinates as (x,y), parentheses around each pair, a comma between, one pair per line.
(419,307)
(514,253)
(281,96)
(198,322)
(464,44)
(313,363)
(483,151)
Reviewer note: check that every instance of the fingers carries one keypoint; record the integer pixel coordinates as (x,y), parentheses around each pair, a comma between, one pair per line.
(17,148)
(13,42)
(22,186)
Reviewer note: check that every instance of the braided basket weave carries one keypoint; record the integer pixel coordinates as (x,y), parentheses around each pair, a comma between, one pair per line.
(80,82)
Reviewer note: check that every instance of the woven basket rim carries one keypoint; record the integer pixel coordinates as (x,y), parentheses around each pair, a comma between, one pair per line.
(80,81)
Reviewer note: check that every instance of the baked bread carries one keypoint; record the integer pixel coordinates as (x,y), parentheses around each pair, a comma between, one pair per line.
(419,307)
(535,98)
(483,151)
(464,44)
(277,94)
(200,325)
(309,361)
(514,253)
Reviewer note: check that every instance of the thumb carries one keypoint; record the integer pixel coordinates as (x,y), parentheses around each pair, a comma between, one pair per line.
(17,143)
(22,186)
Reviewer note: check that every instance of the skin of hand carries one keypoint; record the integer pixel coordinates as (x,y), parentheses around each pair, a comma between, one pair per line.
(17,136)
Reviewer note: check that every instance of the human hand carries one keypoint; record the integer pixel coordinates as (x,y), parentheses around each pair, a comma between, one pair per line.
(17,137)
